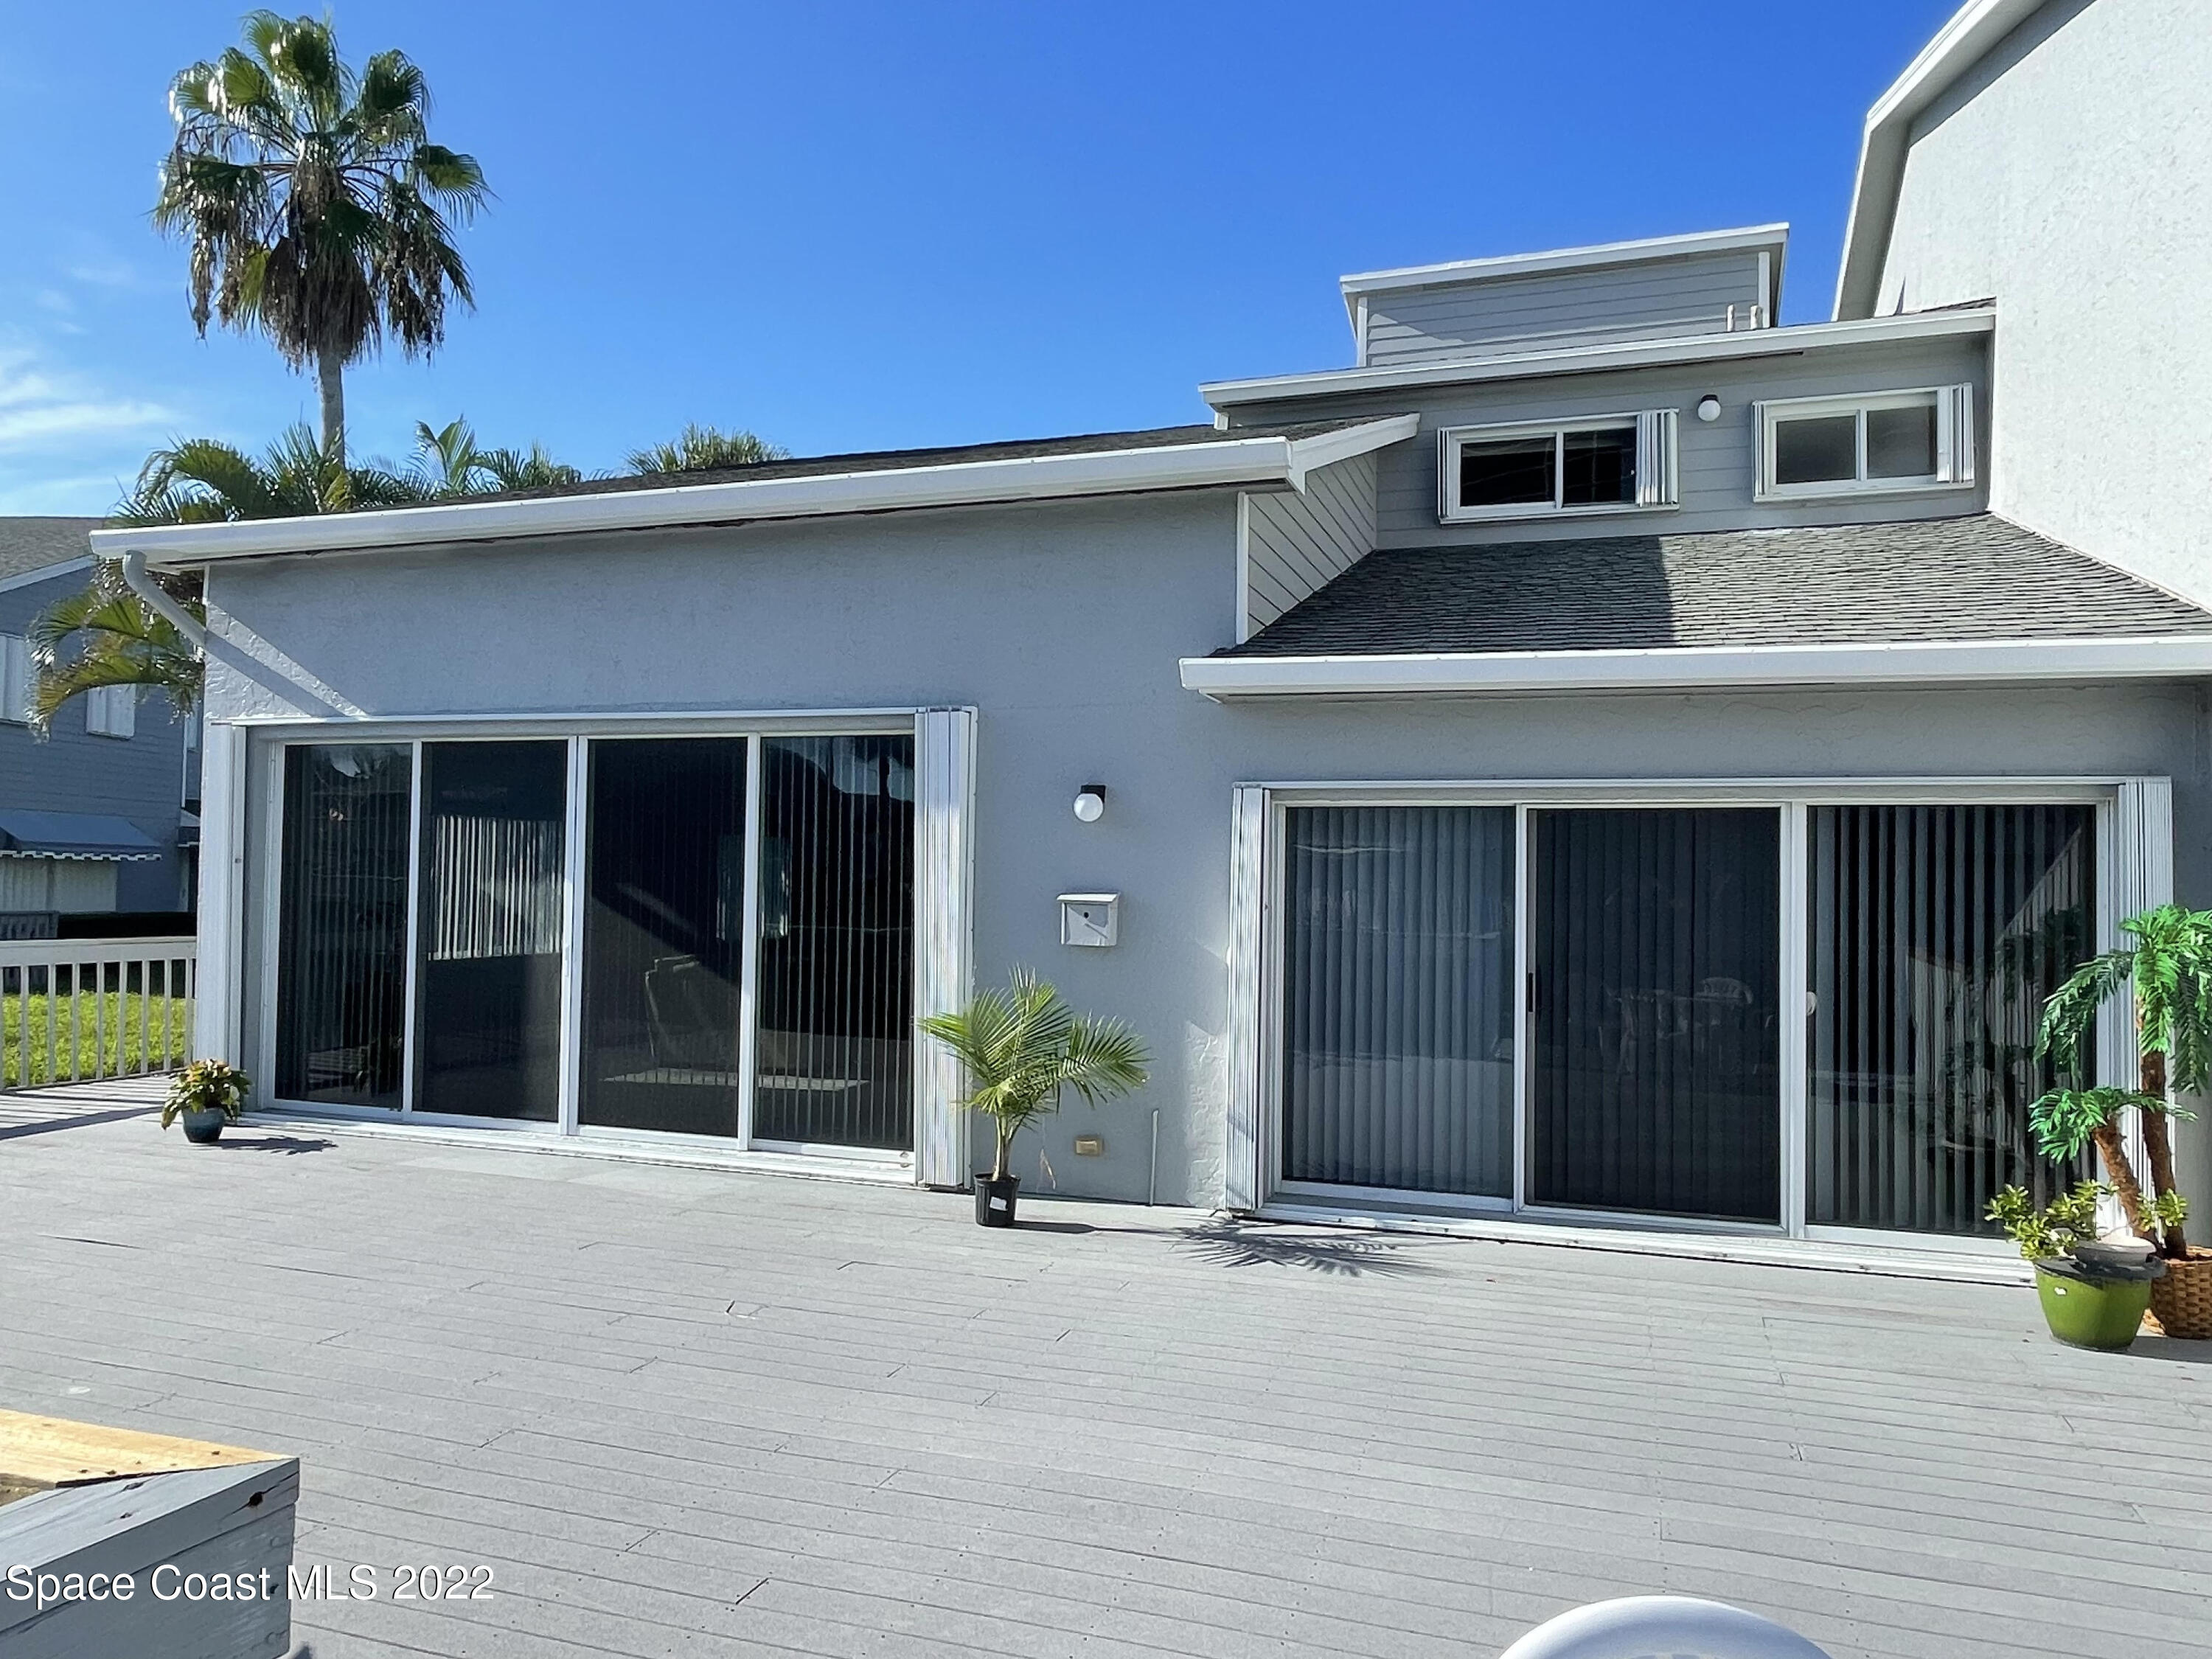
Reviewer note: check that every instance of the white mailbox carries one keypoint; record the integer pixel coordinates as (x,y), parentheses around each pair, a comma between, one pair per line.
(1090,919)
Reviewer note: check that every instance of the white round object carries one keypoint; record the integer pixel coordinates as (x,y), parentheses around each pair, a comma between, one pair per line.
(1709,408)
(1661,1627)
(1090,805)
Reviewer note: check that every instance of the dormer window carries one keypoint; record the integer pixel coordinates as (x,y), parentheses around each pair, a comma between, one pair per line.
(1885,441)
(1599,464)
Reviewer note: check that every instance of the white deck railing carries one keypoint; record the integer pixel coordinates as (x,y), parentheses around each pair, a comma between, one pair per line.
(75,1010)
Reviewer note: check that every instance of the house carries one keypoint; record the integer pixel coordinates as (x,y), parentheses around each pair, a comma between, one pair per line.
(1602,759)
(96,817)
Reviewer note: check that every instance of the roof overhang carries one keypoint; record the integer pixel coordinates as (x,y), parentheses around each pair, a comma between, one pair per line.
(102,836)
(1961,662)
(1597,359)
(1973,30)
(45,573)
(1268,462)
(1775,237)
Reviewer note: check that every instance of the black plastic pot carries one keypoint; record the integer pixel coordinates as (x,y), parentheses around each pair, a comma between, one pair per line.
(994,1201)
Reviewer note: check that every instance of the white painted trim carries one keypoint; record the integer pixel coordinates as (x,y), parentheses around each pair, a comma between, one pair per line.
(577,874)
(45,573)
(671,723)
(217,1014)
(1793,1053)
(1907,662)
(410,971)
(1245,1169)
(944,769)
(1961,43)
(1627,354)
(1244,629)
(748,943)
(1258,460)
(1643,250)
(1889,789)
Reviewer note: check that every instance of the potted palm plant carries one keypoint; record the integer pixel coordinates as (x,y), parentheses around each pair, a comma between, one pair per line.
(1022,1048)
(206,1094)
(2167,968)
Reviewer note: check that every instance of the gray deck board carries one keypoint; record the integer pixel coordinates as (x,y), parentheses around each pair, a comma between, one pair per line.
(684,1412)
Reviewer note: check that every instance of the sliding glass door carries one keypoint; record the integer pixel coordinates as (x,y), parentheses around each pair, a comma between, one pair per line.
(703,935)
(1655,950)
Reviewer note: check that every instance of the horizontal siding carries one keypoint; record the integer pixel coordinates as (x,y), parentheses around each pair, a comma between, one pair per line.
(1715,459)
(1296,544)
(1676,296)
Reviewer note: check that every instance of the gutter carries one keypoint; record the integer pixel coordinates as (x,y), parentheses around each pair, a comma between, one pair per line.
(1272,461)
(1952,662)
(139,581)
(1589,359)
(1963,42)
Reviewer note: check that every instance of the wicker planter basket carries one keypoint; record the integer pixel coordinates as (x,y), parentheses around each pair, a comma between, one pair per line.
(2181,1302)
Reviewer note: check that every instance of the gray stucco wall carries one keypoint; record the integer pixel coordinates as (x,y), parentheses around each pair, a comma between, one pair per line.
(2071,177)
(140,778)
(1062,626)
(1716,459)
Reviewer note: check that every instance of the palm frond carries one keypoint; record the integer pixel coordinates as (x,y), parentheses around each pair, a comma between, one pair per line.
(704,449)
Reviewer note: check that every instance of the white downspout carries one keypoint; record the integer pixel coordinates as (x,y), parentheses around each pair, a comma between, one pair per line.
(140,580)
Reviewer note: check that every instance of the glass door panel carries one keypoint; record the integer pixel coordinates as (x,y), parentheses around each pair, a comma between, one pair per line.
(664,934)
(342,945)
(1655,1072)
(836,943)
(487,981)
(1399,1002)
(1935,933)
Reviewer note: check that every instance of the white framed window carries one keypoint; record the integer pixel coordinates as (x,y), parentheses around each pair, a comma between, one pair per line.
(112,711)
(1544,469)
(1922,439)
(14,679)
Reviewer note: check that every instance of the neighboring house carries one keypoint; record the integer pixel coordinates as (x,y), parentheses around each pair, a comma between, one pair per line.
(1599,760)
(94,817)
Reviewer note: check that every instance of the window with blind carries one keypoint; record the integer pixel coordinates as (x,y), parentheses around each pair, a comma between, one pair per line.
(1935,933)
(1399,1005)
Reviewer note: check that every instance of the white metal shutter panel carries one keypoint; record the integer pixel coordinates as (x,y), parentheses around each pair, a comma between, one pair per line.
(1244,1183)
(1955,434)
(943,899)
(1658,477)
(14,678)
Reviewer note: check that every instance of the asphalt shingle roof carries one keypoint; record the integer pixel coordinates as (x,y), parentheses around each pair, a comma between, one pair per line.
(892,460)
(29,543)
(1980,577)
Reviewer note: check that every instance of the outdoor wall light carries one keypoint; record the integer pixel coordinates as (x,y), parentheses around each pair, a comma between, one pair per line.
(1091,802)
(1709,408)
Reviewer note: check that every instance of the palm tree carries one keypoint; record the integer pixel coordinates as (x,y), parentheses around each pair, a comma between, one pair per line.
(107,635)
(316,210)
(448,462)
(2168,970)
(704,449)
(1023,1046)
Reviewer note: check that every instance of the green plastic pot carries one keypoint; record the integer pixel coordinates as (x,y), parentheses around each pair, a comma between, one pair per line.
(2092,1313)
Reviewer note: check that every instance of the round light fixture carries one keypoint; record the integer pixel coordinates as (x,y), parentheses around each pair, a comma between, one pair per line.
(1091,802)
(1709,408)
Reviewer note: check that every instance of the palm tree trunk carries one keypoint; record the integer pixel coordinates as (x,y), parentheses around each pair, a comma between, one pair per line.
(329,374)
(2158,1147)
(1006,1152)
(2112,1152)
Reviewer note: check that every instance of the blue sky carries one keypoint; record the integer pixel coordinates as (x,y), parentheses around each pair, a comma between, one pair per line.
(873,225)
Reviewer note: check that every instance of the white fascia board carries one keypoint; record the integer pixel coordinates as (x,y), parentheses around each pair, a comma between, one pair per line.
(1259,461)
(1704,668)
(1560,259)
(45,573)
(1973,30)
(1585,360)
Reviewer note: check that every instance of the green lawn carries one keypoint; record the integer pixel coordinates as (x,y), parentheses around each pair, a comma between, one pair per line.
(106,1039)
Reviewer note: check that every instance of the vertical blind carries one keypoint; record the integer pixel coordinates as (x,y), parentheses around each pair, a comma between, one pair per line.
(1655,937)
(1398,1007)
(836,943)
(488,1011)
(1935,933)
(665,860)
(342,951)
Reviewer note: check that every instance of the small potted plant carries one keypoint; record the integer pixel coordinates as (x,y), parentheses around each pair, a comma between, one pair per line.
(2093,1294)
(2165,968)
(206,1094)
(1022,1048)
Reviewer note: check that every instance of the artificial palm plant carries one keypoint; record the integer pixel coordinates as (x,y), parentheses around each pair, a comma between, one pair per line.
(1023,1046)
(316,210)
(2167,969)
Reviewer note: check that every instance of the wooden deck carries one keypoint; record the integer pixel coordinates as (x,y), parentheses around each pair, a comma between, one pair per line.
(691,1412)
